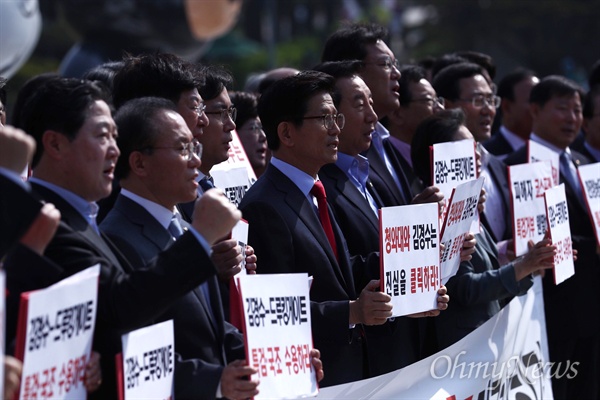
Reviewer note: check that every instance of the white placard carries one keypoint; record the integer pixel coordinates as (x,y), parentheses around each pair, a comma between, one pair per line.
(149,362)
(557,213)
(240,233)
(589,176)
(527,184)
(237,158)
(59,324)
(410,257)
(276,310)
(453,163)
(462,211)
(538,152)
(233,182)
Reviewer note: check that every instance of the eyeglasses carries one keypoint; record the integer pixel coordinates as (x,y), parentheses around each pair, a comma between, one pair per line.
(330,119)
(430,101)
(386,63)
(230,112)
(481,100)
(187,150)
(199,110)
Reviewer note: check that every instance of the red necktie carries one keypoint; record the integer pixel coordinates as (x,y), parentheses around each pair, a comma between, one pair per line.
(319,192)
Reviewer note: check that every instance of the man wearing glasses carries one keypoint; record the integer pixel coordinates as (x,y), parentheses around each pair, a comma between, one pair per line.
(293,230)
(418,100)
(158,170)
(464,86)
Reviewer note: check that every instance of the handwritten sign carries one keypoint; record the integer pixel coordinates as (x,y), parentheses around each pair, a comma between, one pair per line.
(462,211)
(527,185)
(54,337)
(276,310)
(538,152)
(149,362)
(589,176)
(557,213)
(410,257)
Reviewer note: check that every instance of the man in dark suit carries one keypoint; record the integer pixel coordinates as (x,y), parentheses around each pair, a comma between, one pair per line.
(157,170)
(380,73)
(513,90)
(394,344)
(290,235)
(418,100)
(73,168)
(591,126)
(464,86)
(572,330)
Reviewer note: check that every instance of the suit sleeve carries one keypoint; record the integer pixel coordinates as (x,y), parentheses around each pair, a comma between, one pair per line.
(196,379)
(273,244)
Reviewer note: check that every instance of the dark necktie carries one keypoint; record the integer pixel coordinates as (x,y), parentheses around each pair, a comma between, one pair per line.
(207,183)
(319,192)
(176,230)
(568,171)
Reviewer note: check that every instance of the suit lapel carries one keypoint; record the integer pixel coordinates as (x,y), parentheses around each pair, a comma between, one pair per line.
(377,167)
(306,212)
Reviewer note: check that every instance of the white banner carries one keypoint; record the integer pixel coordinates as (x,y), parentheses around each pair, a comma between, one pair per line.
(149,362)
(589,176)
(410,257)
(505,358)
(59,324)
(278,334)
(527,184)
(557,213)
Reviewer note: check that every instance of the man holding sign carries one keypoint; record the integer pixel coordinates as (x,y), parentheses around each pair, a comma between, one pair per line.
(573,332)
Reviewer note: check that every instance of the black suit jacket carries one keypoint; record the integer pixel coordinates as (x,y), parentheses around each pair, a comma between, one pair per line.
(403,169)
(383,181)
(567,305)
(204,341)
(127,298)
(498,145)
(498,172)
(394,344)
(18,209)
(288,238)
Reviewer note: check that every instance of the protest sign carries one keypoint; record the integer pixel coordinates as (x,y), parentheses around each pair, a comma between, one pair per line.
(462,211)
(537,152)
(527,184)
(54,337)
(410,257)
(233,182)
(557,213)
(148,362)
(589,176)
(505,358)
(278,334)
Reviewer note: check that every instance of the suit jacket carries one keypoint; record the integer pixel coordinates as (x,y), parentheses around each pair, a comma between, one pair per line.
(127,298)
(480,288)
(394,344)
(204,341)
(18,209)
(497,170)
(586,153)
(403,168)
(498,145)
(382,180)
(567,305)
(288,238)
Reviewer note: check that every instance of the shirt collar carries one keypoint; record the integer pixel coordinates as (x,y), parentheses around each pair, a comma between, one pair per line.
(516,142)
(549,145)
(87,209)
(354,167)
(300,178)
(161,214)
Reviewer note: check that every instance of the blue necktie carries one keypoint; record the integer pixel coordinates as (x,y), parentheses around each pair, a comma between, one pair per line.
(569,172)
(207,183)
